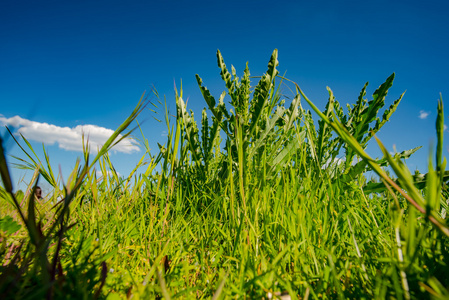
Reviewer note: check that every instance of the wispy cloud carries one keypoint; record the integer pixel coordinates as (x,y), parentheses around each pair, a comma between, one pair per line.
(68,138)
(423,114)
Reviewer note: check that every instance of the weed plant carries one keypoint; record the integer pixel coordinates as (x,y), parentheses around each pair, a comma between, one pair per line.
(258,202)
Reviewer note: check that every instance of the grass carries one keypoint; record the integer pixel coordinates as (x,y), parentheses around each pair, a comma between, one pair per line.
(259,200)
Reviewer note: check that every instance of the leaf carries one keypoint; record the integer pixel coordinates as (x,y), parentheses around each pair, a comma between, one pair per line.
(259,101)
(225,75)
(440,133)
(205,139)
(31,221)
(263,135)
(9,225)
(217,111)
(191,129)
(356,112)
(311,137)
(244,95)
(375,104)
(219,289)
(386,116)
(272,65)
(210,100)
(403,155)
(354,171)
(362,166)
(292,113)
(51,177)
(323,133)
(261,91)
(279,161)
(4,172)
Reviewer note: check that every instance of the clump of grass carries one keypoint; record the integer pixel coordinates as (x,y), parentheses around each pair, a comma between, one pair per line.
(254,203)
(37,268)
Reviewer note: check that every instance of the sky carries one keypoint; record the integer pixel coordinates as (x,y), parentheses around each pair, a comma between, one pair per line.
(68,67)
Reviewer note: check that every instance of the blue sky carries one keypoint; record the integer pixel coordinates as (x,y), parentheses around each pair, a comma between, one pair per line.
(79,63)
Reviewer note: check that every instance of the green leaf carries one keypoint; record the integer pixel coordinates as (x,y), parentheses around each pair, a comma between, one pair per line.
(386,116)
(324,133)
(4,171)
(403,155)
(225,75)
(205,139)
(9,225)
(261,91)
(279,161)
(210,100)
(263,135)
(440,133)
(376,104)
(191,129)
(244,95)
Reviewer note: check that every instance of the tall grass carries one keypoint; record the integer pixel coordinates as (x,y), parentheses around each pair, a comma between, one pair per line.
(254,203)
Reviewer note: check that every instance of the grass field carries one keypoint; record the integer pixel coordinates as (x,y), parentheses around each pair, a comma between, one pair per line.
(257,202)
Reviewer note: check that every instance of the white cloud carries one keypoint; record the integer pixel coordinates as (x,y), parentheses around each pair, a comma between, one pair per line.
(68,138)
(445,126)
(423,114)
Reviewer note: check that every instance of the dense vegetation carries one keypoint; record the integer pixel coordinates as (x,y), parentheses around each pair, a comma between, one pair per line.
(256,202)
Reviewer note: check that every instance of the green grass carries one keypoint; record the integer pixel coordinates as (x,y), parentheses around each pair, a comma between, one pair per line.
(256,201)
